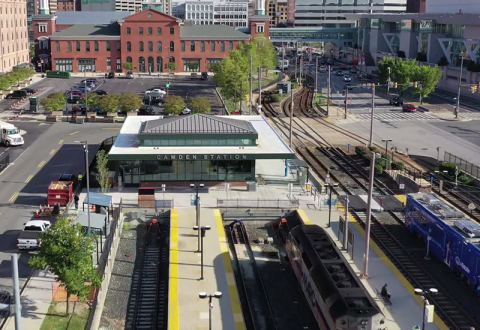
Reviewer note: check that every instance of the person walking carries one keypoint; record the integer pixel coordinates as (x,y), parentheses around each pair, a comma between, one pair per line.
(385,292)
(75,199)
(80,178)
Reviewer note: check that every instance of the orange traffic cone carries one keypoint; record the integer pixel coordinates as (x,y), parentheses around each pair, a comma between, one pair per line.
(48,207)
(93,207)
(36,214)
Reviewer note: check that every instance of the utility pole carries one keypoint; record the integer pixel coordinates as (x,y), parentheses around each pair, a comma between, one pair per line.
(369,214)
(283,58)
(300,69)
(388,81)
(16,292)
(370,141)
(251,82)
(316,76)
(259,88)
(457,108)
(296,60)
(291,117)
(345,234)
(346,101)
(328,91)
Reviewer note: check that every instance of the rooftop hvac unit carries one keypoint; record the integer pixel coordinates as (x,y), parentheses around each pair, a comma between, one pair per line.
(468,227)
(430,199)
(450,214)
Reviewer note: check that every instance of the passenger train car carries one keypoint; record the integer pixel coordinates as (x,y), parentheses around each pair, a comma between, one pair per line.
(336,296)
(455,239)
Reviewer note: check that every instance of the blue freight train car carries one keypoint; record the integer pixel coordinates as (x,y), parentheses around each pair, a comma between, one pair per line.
(455,239)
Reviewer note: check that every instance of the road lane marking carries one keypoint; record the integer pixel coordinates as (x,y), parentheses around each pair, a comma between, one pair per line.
(74,133)
(14,197)
(60,142)
(29,178)
(41,163)
(52,152)
(115,128)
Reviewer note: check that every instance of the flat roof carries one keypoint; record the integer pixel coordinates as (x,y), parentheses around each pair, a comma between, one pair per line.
(207,32)
(89,30)
(461,19)
(98,199)
(97,220)
(269,144)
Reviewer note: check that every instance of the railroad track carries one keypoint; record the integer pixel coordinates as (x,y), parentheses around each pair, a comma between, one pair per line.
(148,302)
(408,257)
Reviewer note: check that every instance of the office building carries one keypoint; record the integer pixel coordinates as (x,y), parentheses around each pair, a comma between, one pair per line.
(178,9)
(137,5)
(278,12)
(14,34)
(331,13)
(68,5)
(416,6)
(231,13)
(449,6)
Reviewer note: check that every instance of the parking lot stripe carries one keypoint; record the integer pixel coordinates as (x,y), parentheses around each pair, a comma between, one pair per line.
(74,133)
(60,142)
(41,163)
(52,152)
(14,197)
(29,178)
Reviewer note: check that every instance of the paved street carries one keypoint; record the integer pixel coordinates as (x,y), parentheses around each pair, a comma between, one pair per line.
(50,151)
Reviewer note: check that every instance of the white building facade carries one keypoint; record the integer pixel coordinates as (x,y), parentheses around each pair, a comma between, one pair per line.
(231,13)
(331,13)
(136,5)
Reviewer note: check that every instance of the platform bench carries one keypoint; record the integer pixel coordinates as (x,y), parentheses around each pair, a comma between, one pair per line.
(386,301)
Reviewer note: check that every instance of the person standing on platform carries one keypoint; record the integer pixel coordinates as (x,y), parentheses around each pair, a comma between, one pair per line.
(80,178)
(385,292)
(75,199)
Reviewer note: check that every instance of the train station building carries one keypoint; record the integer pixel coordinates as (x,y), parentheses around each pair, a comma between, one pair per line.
(150,149)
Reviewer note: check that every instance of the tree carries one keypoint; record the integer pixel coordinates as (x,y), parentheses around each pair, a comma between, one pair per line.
(443,61)
(68,253)
(53,102)
(109,102)
(174,104)
(171,66)
(103,171)
(398,70)
(427,78)
(90,99)
(266,52)
(200,104)
(127,66)
(31,49)
(129,101)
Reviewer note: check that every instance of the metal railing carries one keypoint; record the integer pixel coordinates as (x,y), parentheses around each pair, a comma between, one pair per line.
(258,203)
(4,160)
(465,166)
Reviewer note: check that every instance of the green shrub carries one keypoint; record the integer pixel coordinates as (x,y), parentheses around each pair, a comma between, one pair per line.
(398,166)
(379,169)
(374,149)
(275,98)
(449,167)
(465,179)
(361,151)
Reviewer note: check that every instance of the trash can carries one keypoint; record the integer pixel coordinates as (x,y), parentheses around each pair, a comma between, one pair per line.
(34,104)
(251,186)
(193,200)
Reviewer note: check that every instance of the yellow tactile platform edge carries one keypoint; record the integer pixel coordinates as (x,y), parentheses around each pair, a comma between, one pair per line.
(173,312)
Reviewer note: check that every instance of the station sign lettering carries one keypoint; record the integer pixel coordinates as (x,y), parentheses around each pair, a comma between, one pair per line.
(201,157)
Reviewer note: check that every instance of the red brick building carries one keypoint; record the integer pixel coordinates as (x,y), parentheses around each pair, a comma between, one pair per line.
(148,39)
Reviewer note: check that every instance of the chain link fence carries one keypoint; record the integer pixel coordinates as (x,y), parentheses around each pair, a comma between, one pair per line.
(4,160)
(465,166)
(258,203)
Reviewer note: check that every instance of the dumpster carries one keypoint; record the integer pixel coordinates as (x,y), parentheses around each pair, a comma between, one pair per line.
(60,192)
(146,197)
(34,104)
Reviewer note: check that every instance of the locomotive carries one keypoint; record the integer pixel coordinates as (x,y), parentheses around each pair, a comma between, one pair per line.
(336,296)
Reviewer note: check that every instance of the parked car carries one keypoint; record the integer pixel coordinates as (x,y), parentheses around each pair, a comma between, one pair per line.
(17,94)
(67,177)
(111,75)
(344,67)
(146,110)
(5,301)
(409,108)
(204,75)
(396,101)
(87,83)
(80,107)
(99,111)
(28,90)
(82,89)
(129,75)
(339,73)
(185,111)
(347,78)
(353,71)
(155,91)
(78,93)
(73,99)
(101,92)
(347,86)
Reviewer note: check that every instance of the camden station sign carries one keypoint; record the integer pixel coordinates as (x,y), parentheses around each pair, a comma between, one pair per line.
(202,157)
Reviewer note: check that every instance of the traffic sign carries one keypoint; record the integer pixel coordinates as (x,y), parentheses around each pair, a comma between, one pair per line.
(402,186)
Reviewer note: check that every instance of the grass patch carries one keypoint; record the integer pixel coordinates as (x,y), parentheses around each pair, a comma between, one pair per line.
(57,320)
(266,79)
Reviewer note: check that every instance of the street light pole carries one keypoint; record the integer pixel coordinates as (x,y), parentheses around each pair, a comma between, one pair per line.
(197,206)
(388,81)
(201,230)
(204,295)
(457,108)
(328,91)
(369,214)
(386,145)
(316,76)
(330,188)
(425,294)
(372,110)
(346,100)
(456,175)
(438,155)
(429,238)
(291,117)
(87,171)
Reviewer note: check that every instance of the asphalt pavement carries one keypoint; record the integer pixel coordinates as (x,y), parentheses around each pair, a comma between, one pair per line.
(50,152)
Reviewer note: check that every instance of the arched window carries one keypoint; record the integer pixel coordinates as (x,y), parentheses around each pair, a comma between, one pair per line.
(77,46)
(149,30)
(159,64)
(230,45)
(150,64)
(57,46)
(140,46)
(222,46)
(141,64)
(172,46)
(140,30)
(117,45)
(129,30)
(171,59)
(182,46)
(159,30)
(69,46)
(202,46)
(95,46)
(129,59)
(108,46)
(212,45)
(150,48)
(129,46)
(172,30)
(159,46)
(192,46)
(87,46)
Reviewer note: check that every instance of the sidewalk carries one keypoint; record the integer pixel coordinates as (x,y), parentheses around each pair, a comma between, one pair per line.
(36,300)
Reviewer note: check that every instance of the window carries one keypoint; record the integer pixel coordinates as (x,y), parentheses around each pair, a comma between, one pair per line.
(108,46)
(222,46)
(149,30)
(140,46)
(117,45)
(230,45)
(77,46)
(260,28)
(192,46)
(86,65)
(57,46)
(109,64)
(69,46)
(42,28)
(62,64)
(182,46)
(141,64)
(172,30)
(212,44)
(119,64)
(129,46)
(159,30)
(140,30)
(95,46)
(202,46)
(172,46)
(171,59)
(87,46)
(159,46)
(129,30)
(150,46)
(129,59)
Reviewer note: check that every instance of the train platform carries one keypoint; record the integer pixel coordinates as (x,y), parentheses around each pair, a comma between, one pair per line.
(186,309)
(407,308)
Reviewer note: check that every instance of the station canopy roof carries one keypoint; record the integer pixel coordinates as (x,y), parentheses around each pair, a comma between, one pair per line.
(97,220)
(98,199)
(197,124)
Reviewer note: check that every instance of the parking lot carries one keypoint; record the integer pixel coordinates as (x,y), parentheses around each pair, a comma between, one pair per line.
(184,86)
